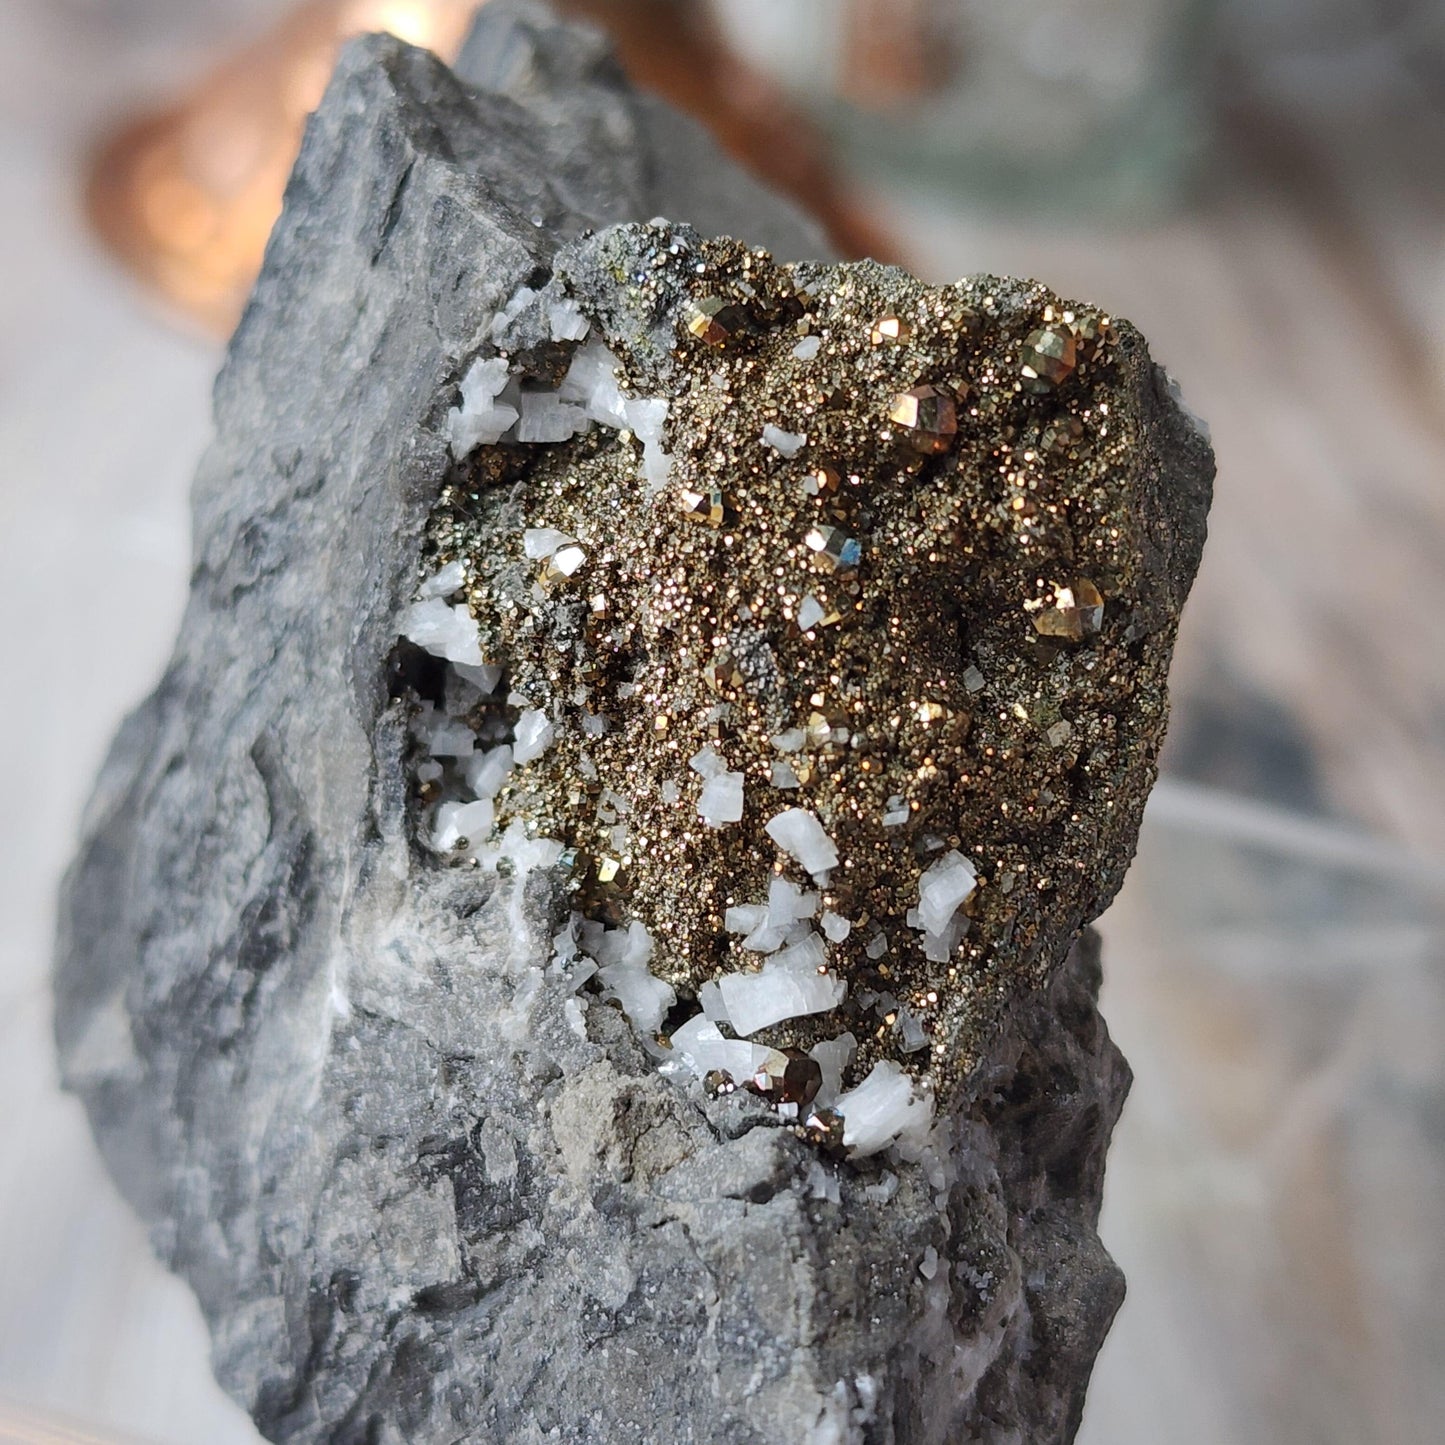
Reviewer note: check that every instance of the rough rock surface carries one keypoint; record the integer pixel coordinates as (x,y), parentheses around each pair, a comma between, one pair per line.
(415,1205)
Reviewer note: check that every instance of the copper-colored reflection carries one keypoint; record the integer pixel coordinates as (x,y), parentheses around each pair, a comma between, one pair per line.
(672,48)
(186,197)
(891,54)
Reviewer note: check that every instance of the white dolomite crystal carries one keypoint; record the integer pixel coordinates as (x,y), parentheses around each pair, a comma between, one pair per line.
(810,613)
(832,1056)
(786,443)
(942,889)
(882,1110)
(566,321)
(746,917)
(788,985)
(520,299)
(443,630)
(447,738)
(547,418)
(539,543)
(783,776)
(484,677)
(800,835)
(623,955)
(710,997)
(458,821)
(482,419)
(445,582)
(721,801)
(707,763)
(533,736)
(701,1046)
(484,773)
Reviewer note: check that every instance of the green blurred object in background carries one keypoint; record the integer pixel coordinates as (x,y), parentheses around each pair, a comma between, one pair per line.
(1092,106)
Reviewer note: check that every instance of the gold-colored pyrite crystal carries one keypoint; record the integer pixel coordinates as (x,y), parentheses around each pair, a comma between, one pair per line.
(939,630)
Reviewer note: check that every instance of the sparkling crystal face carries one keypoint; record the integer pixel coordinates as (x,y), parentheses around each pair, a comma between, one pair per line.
(930,629)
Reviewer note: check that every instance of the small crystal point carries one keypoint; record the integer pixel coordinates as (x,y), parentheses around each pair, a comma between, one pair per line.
(929,414)
(1048,358)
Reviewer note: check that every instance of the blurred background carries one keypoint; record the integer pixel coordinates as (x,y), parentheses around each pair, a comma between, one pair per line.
(1260,186)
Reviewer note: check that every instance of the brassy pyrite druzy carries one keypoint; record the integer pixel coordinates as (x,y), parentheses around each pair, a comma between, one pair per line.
(893,623)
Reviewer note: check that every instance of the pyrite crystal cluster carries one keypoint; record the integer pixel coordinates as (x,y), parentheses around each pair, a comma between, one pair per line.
(887,623)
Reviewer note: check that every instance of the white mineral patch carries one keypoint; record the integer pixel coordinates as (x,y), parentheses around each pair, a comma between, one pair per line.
(547,418)
(646,417)
(768,926)
(700,1045)
(810,613)
(799,834)
(623,955)
(939,947)
(782,775)
(806,953)
(448,738)
(882,1110)
(525,853)
(532,737)
(942,889)
(539,543)
(896,811)
(786,443)
(721,801)
(443,630)
(564,943)
(807,348)
(790,741)
(644,997)
(909,1029)
(835,928)
(566,320)
(788,986)
(787,903)
(711,999)
(884,1189)
(591,381)
(521,298)
(484,677)
(576,1019)
(823,1183)
(568,559)
(745,917)
(1196,422)
(445,582)
(484,773)
(833,1056)
(707,763)
(458,821)
(767,937)
(483,416)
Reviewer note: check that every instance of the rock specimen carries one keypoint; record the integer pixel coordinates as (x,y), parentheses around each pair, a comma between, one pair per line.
(839,684)
(324,978)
